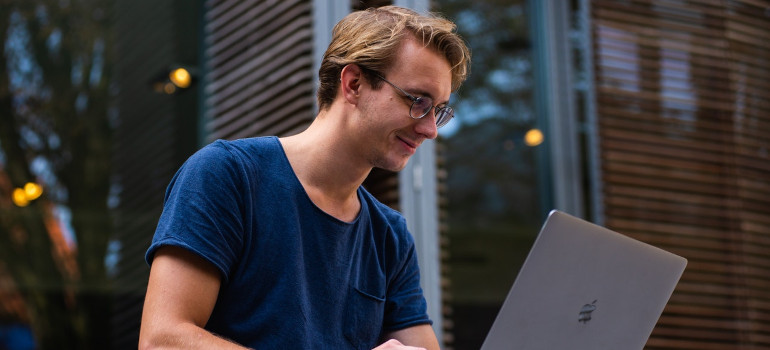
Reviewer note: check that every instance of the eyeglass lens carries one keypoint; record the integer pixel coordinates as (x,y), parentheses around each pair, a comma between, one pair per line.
(422,106)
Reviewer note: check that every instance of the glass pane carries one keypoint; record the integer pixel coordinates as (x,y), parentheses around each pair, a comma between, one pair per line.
(493,209)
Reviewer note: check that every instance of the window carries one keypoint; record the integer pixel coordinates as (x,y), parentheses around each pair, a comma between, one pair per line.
(491,193)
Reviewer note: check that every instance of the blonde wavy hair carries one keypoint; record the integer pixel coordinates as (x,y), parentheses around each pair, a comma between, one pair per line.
(371,39)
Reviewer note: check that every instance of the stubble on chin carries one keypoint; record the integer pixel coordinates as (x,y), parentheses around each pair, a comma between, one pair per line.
(385,163)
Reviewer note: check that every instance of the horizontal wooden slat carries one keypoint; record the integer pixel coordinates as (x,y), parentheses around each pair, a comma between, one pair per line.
(260,79)
(246,29)
(680,168)
(261,84)
(280,28)
(677,86)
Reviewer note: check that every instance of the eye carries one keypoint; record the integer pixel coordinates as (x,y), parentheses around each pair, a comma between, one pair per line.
(423,104)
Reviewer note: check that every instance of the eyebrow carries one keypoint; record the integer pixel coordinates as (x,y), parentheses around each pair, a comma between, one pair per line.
(420,92)
(414,91)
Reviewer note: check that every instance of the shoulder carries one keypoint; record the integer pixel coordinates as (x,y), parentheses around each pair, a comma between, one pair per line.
(388,220)
(240,148)
(233,154)
(223,164)
(381,211)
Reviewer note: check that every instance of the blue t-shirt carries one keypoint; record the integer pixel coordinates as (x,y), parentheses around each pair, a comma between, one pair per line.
(293,276)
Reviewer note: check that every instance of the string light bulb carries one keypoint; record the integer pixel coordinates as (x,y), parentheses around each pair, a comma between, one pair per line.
(180,77)
(33,191)
(533,137)
(22,196)
(19,197)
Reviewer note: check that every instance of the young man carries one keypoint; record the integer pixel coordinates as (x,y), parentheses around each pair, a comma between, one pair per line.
(273,243)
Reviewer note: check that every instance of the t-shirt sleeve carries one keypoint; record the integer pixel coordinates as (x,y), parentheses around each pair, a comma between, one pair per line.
(203,208)
(405,305)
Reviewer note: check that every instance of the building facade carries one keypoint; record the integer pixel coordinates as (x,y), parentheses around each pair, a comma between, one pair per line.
(650,117)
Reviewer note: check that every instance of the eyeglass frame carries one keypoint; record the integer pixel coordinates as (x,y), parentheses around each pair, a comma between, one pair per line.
(446,112)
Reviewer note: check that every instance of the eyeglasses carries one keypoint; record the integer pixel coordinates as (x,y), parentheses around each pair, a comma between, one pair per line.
(421,106)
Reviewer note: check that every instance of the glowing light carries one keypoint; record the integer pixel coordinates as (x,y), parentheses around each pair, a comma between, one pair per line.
(533,137)
(169,88)
(180,77)
(20,198)
(32,191)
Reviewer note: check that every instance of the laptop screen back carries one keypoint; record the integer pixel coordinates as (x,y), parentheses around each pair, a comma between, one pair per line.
(585,287)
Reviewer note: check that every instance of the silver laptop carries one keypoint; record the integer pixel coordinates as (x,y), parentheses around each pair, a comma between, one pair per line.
(585,287)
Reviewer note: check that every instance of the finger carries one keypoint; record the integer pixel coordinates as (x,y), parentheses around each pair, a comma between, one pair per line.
(390,344)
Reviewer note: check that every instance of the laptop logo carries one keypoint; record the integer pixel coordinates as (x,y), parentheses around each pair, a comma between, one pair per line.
(585,312)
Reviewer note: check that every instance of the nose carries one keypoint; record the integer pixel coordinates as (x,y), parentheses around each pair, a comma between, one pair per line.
(426,126)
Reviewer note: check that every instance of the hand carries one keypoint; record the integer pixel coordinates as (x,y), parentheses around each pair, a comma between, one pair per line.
(395,345)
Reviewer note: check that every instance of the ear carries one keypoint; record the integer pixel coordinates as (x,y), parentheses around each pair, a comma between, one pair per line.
(351,79)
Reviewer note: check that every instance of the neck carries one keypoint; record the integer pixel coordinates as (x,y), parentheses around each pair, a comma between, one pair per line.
(326,167)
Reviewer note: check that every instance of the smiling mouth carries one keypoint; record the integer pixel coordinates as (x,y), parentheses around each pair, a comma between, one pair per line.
(411,145)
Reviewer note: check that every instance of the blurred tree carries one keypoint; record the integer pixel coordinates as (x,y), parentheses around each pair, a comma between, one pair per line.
(56,130)
(491,173)
(500,83)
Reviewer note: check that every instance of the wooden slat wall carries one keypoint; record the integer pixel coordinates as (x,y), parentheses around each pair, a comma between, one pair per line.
(259,68)
(683,101)
(443,243)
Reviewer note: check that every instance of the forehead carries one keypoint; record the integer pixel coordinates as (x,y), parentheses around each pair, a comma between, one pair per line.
(422,69)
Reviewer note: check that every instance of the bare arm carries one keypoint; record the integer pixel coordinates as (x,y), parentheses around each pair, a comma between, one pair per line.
(421,336)
(181,294)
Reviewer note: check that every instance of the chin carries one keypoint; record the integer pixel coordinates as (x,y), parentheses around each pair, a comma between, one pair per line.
(398,168)
(392,165)
(392,168)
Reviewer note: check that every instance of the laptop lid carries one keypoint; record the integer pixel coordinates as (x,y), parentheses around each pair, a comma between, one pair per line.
(583,286)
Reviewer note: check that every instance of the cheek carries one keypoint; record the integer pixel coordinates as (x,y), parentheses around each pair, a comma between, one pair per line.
(375,114)
(370,108)
(383,114)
